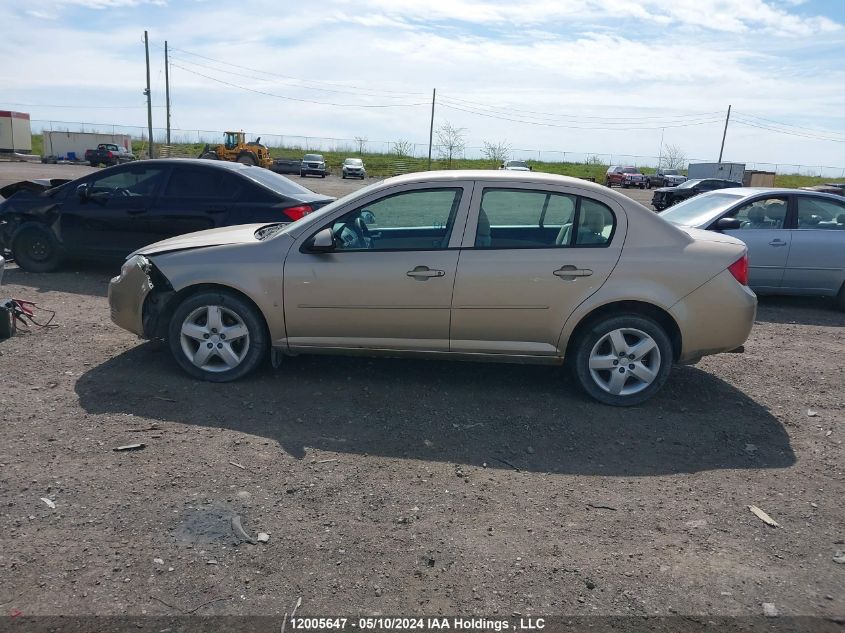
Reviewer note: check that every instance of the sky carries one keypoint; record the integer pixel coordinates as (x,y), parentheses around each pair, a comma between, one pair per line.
(612,78)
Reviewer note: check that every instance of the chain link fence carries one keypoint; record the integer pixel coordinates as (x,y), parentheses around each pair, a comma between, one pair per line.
(299,144)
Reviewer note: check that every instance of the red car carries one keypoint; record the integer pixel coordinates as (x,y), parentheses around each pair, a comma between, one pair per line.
(625,177)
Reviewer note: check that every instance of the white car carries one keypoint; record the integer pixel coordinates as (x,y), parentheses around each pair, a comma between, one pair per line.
(354,168)
(515,165)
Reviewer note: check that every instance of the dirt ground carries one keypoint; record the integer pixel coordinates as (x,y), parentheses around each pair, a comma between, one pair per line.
(414,487)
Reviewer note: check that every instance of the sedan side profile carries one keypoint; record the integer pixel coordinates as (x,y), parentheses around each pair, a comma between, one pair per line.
(110,213)
(473,265)
(795,239)
(665,197)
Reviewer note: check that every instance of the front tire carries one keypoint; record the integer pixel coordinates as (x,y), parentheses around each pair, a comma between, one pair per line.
(217,336)
(623,360)
(36,250)
(247,159)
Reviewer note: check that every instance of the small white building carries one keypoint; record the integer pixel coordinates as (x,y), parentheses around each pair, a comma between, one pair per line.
(15,132)
(72,145)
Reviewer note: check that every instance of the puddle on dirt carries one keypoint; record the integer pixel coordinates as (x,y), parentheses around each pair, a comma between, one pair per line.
(208,524)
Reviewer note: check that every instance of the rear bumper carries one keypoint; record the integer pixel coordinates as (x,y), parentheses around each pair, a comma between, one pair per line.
(717,317)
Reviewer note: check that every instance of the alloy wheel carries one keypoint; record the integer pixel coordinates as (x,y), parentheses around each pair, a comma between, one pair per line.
(214,338)
(624,361)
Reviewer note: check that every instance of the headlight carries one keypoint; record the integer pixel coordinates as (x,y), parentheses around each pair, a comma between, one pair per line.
(138,260)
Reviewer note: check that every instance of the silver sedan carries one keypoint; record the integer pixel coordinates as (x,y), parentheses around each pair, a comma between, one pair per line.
(795,239)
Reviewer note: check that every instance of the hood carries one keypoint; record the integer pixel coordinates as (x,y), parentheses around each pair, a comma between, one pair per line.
(241,234)
(673,190)
(36,185)
(627,175)
(517,169)
(702,235)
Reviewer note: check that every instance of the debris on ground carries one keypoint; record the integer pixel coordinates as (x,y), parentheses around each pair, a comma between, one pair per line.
(49,503)
(263,537)
(697,523)
(839,556)
(239,531)
(158,561)
(765,518)
(130,447)
(237,465)
(600,507)
(812,413)
(770,610)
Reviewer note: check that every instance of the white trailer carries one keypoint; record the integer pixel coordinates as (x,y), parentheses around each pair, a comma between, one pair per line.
(726,171)
(15,132)
(72,145)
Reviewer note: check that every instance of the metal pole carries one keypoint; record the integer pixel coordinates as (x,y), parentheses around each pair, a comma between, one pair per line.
(725,133)
(431,127)
(167,89)
(149,95)
(660,149)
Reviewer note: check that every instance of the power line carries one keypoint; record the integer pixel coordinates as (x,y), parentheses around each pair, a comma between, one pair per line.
(508,110)
(300,80)
(790,125)
(245,76)
(81,107)
(581,127)
(774,129)
(300,100)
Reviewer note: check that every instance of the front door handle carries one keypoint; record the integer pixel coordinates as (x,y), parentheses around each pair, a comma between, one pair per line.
(569,272)
(777,242)
(421,273)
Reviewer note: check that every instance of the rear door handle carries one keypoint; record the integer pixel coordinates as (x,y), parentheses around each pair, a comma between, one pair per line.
(424,272)
(777,243)
(569,273)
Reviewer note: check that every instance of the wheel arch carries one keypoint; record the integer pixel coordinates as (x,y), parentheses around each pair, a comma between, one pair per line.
(159,306)
(658,314)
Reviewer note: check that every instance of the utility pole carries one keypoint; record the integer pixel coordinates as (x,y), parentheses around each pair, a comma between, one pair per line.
(149,96)
(167,89)
(431,127)
(725,133)
(660,149)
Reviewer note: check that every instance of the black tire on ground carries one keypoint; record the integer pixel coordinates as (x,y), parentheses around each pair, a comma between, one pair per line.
(343,176)
(36,249)
(322,175)
(590,337)
(607,183)
(247,159)
(258,339)
(648,184)
(209,156)
(302,174)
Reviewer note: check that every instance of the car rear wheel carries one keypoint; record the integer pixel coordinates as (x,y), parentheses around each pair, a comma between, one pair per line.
(623,360)
(36,250)
(217,336)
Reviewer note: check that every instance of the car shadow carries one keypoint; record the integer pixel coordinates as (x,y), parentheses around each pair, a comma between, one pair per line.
(81,278)
(524,417)
(801,310)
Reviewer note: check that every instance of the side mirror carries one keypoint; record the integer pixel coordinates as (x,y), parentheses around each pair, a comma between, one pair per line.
(83,191)
(322,242)
(727,224)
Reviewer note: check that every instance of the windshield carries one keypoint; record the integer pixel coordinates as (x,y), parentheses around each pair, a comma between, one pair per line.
(700,210)
(312,157)
(274,181)
(353,162)
(630,170)
(688,184)
(516,163)
(670,172)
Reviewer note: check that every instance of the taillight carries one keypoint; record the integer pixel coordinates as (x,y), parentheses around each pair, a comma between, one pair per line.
(295,213)
(739,269)
(110,155)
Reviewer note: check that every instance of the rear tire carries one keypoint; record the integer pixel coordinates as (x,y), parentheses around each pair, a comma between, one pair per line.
(617,380)
(36,250)
(247,159)
(197,336)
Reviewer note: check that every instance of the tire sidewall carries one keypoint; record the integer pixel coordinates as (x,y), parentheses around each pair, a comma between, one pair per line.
(32,265)
(586,341)
(253,320)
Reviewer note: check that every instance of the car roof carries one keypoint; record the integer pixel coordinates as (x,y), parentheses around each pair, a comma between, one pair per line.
(214,164)
(534,177)
(748,192)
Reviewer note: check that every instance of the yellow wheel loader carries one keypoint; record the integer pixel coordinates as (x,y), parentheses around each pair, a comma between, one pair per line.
(236,149)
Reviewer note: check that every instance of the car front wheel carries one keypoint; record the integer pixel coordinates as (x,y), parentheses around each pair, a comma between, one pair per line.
(217,336)
(36,250)
(623,360)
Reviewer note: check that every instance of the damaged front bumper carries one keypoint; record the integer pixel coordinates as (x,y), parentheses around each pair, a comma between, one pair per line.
(128,292)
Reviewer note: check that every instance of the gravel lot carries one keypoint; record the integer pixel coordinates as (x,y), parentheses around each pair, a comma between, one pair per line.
(401,487)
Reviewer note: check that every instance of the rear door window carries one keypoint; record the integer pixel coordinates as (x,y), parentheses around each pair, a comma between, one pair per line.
(195,182)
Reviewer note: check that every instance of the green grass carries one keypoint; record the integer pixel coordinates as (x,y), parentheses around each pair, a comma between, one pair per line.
(382,165)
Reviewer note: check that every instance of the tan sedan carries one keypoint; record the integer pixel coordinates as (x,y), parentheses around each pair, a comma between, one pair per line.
(471,265)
